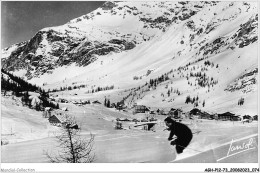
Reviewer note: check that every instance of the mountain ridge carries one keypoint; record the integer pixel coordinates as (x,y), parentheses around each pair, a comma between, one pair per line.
(126,44)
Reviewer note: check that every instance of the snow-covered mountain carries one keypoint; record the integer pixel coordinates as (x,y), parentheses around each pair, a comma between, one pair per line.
(114,27)
(153,53)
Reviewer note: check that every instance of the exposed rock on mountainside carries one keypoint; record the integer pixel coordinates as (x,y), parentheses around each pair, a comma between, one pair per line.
(246,83)
(83,39)
(186,48)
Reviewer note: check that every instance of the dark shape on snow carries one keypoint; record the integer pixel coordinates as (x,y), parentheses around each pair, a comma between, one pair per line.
(149,125)
(54,120)
(72,126)
(124,119)
(201,114)
(152,112)
(113,105)
(135,120)
(194,111)
(141,109)
(226,116)
(96,102)
(236,118)
(175,113)
(247,118)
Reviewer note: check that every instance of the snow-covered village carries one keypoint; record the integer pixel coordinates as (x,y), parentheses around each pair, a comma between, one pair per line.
(100,87)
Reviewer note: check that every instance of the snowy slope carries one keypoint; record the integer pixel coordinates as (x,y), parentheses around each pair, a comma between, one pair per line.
(126,44)
(20,123)
(108,29)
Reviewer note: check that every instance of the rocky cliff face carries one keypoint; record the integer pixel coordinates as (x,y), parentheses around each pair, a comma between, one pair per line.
(109,29)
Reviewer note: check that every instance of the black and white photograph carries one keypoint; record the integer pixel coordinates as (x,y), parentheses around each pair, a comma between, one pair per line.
(146,82)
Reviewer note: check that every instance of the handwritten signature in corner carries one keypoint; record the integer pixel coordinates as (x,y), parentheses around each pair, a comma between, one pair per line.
(239,147)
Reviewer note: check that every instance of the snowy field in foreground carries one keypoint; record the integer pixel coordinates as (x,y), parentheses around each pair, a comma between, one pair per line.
(131,145)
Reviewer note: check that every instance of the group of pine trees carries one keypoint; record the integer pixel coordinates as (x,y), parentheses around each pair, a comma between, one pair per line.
(155,82)
(189,100)
(102,89)
(44,102)
(107,103)
(194,101)
(68,88)
(21,88)
(83,86)
(174,91)
(16,84)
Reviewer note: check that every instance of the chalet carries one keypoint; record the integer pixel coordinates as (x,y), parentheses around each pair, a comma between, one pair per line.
(205,115)
(54,120)
(147,110)
(247,117)
(202,114)
(226,116)
(72,126)
(175,113)
(141,109)
(236,118)
(194,111)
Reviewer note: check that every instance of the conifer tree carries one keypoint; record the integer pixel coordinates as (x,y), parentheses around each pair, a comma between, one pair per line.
(108,103)
(105,102)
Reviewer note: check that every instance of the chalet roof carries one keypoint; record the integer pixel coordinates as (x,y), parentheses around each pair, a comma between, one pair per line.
(227,114)
(247,116)
(195,111)
(54,119)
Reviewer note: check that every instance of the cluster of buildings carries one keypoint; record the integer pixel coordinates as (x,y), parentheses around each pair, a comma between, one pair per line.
(178,113)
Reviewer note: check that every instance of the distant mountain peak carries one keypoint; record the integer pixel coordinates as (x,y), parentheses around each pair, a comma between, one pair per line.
(200,47)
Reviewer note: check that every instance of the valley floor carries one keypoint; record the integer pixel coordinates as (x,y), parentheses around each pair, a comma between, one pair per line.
(210,142)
